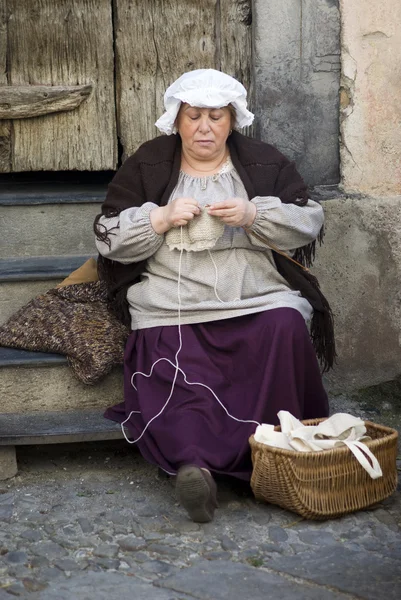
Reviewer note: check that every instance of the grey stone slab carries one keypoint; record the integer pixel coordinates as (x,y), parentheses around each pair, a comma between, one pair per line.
(85,525)
(165,550)
(158,567)
(277,534)
(54,428)
(28,194)
(17,589)
(104,586)
(6,512)
(364,574)
(33,268)
(219,580)
(227,543)
(131,543)
(17,557)
(217,555)
(42,230)
(32,535)
(105,563)
(317,537)
(49,550)
(66,564)
(106,551)
(296,83)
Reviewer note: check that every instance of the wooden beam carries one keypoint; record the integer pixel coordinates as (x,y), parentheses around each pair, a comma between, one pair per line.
(26,101)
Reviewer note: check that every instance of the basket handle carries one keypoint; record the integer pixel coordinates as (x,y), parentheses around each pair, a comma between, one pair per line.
(360,451)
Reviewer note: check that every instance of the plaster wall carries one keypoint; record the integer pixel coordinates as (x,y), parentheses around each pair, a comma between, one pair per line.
(370,96)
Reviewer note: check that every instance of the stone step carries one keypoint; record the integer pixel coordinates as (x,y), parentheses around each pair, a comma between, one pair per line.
(47,229)
(41,402)
(23,278)
(56,428)
(29,194)
(37,382)
(48,218)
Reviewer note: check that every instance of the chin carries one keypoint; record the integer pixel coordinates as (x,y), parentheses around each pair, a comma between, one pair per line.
(204,151)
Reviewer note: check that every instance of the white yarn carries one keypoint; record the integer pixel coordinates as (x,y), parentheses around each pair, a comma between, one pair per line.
(176,365)
(216,283)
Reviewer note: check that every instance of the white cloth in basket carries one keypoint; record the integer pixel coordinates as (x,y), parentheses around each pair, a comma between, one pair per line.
(339,429)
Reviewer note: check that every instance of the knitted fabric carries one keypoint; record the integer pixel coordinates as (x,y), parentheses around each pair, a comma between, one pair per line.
(201,233)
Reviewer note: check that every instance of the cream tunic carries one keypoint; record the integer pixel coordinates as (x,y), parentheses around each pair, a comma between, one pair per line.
(237,276)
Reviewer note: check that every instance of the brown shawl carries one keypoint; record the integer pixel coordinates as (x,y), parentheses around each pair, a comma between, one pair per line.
(151,174)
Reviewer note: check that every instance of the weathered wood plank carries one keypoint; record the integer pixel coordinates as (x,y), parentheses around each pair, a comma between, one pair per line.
(5,146)
(236,43)
(5,126)
(68,42)
(155,43)
(26,101)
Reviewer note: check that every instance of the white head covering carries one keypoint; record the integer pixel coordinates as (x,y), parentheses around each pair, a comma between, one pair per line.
(204,88)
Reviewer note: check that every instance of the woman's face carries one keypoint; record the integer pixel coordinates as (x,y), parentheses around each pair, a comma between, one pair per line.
(204,131)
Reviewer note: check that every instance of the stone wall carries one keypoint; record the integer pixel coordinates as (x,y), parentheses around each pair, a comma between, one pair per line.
(360,263)
(296,82)
(297,46)
(359,267)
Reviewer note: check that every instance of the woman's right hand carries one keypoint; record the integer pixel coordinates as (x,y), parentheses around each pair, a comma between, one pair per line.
(175,214)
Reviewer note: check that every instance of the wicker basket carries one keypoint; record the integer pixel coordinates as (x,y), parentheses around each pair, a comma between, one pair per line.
(326,484)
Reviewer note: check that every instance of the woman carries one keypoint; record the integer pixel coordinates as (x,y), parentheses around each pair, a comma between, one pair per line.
(196,237)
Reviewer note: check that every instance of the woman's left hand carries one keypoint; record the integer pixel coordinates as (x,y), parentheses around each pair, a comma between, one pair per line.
(236,212)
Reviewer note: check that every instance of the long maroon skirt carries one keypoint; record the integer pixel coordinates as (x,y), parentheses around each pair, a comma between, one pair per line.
(256,364)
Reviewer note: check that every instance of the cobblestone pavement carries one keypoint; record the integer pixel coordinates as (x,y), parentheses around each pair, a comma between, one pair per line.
(94,521)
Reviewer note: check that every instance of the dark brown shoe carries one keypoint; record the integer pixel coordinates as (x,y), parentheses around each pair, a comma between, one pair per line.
(197,493)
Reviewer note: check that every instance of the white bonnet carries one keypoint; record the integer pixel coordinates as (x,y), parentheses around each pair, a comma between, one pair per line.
(204,88)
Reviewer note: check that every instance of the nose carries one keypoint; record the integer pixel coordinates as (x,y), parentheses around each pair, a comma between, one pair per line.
(204,125)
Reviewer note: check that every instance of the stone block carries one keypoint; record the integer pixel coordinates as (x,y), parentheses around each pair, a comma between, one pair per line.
(54,388)
(49,229)
(8,462)
(15,294)
(359,268)
(296,82)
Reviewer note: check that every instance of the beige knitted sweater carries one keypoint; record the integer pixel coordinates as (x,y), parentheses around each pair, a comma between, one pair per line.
(234,275)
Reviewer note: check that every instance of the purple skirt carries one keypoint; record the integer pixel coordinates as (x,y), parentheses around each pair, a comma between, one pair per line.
(256,364)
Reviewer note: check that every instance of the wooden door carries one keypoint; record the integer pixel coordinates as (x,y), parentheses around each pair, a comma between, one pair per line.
(66,44)
(57,97)
(158,40)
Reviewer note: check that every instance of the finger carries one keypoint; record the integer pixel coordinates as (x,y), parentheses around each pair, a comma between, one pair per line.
(229,212)
(190,201)
(187,216)
(232,221)
(222,205)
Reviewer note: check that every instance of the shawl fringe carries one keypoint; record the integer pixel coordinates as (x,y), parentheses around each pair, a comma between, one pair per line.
(306,254)
(322,328)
